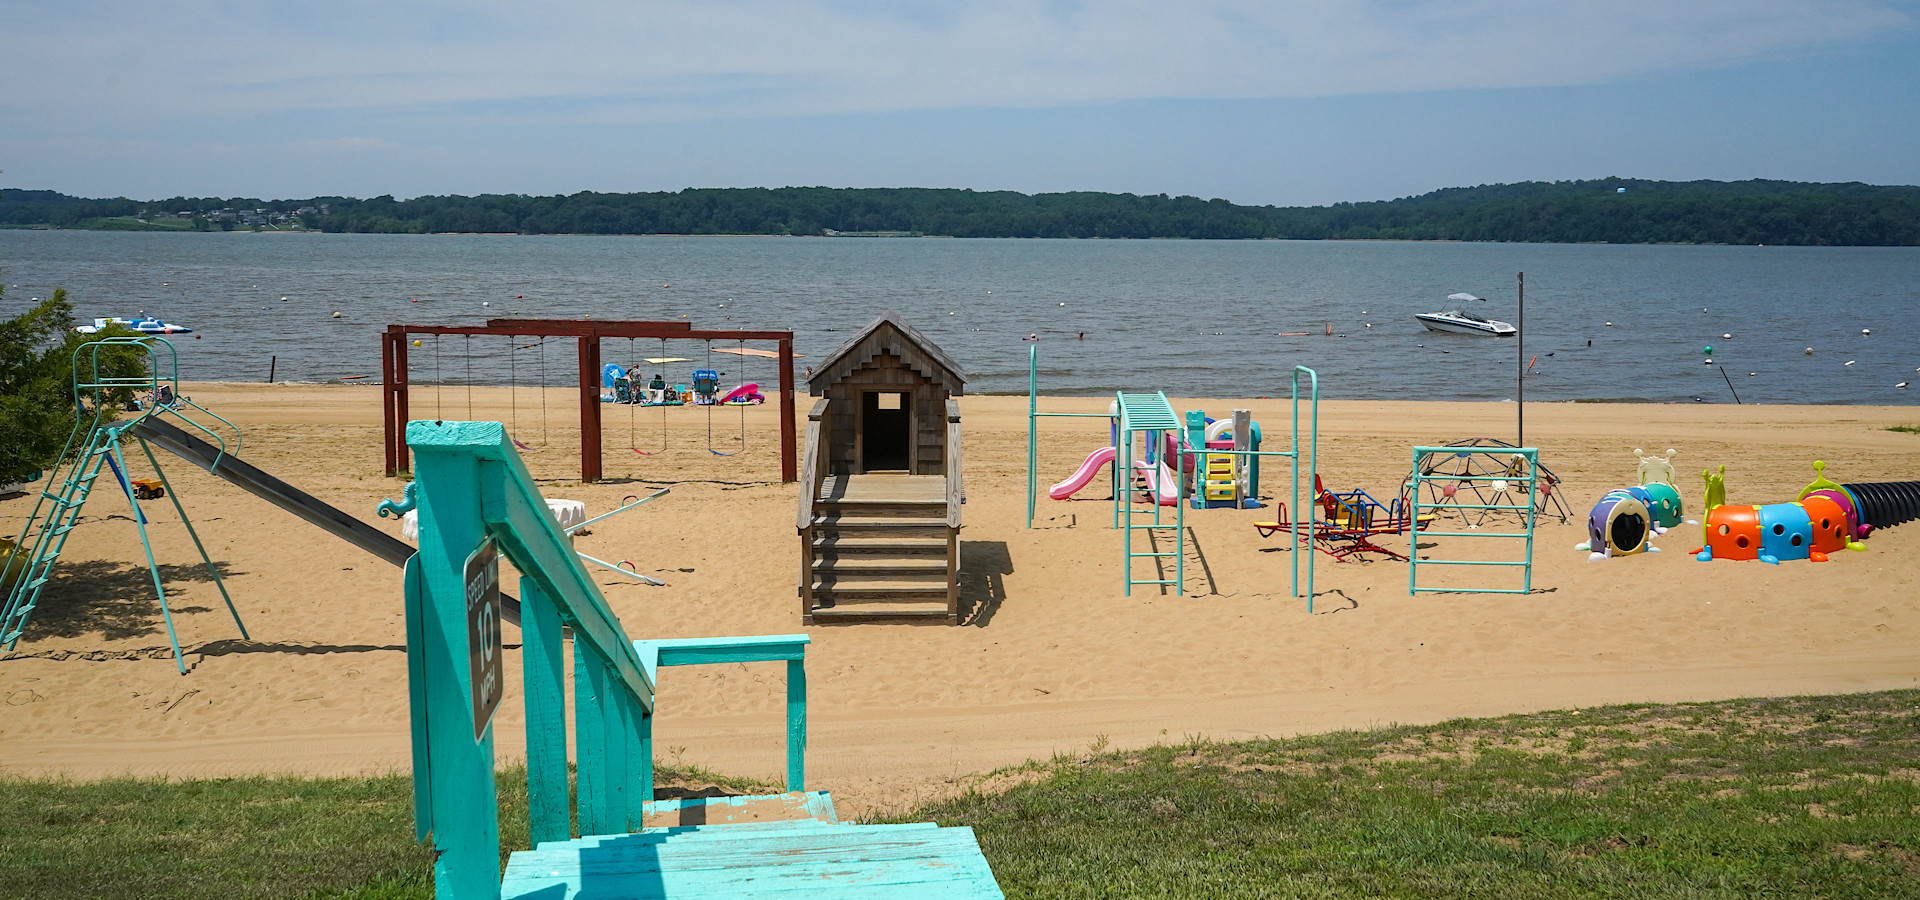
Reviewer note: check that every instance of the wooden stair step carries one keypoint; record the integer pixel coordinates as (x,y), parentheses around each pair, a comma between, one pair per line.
(873,612)
(890,509)
(881,566)
(903,527)
(879,522)
(881,591)
(872,542)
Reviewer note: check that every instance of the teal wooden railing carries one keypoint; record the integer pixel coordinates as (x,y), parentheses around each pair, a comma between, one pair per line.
(474,492)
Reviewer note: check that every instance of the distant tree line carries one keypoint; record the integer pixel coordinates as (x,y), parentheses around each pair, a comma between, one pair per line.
(1695,212)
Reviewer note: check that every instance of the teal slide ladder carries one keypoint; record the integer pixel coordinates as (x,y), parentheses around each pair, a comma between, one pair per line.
(1149,416)
(477,504)
(56,511)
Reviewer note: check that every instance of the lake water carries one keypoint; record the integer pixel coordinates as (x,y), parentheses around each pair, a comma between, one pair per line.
(1189,317)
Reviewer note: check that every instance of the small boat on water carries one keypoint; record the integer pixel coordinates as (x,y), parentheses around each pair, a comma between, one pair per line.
(1462,322)
(143,324)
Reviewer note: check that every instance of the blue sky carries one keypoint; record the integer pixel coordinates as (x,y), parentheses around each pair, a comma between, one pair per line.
(1305,102)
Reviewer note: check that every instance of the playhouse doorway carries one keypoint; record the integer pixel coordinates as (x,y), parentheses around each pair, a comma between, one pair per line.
(886,430)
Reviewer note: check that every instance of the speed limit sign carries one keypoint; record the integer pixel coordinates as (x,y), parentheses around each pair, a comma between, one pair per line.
(483,633)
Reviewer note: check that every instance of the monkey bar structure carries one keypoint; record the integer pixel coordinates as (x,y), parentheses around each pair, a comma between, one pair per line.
(395,380)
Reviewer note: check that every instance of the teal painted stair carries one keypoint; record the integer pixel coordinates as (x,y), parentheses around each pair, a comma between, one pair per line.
(790,859)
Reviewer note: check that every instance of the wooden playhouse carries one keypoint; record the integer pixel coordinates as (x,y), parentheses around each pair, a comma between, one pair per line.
(880,489)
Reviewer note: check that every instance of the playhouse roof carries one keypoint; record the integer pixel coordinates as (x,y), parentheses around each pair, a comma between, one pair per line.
(889,334)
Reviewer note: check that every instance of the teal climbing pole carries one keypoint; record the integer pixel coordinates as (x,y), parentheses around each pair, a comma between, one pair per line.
(1034,415)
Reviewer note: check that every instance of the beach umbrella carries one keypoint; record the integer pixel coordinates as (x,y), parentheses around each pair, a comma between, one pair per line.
(753,351)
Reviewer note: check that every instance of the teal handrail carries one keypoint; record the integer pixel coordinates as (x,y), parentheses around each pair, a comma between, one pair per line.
(474,488)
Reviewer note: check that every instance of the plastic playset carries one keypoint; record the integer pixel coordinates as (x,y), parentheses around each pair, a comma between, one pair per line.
(1626,520)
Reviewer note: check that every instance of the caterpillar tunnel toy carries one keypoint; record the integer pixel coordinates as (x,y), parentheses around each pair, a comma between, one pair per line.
(1826,518)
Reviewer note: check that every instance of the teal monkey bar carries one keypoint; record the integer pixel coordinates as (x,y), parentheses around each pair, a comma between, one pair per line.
(1149,417)
(56,512)
(477,502)
(1527,457)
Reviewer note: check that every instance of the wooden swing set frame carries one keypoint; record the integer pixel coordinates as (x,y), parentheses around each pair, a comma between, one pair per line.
(395,380)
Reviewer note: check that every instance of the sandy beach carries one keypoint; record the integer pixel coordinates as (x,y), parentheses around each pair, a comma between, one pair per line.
(1053,658)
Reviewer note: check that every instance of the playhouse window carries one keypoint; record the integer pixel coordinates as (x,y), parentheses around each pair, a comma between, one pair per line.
(888,401)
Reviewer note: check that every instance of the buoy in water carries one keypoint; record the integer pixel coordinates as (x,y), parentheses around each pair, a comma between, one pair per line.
(1866,331)
(336,315)
(1726,337)
(1809,351)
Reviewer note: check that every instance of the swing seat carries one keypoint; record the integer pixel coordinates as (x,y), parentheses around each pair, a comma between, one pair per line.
(565,513)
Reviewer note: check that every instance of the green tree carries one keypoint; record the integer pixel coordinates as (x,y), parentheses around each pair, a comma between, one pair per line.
(36,384)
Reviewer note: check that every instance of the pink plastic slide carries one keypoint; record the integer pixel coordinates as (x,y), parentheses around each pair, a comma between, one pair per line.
(1165,486)
(1096,461)
(745,392)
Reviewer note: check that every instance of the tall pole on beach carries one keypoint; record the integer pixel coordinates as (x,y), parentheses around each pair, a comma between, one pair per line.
(1520,363)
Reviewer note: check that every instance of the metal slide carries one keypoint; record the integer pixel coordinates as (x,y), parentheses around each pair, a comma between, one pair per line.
(301,504)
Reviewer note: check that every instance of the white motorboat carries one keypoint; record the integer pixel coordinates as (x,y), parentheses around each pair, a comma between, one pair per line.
(1462,322)
(143,324)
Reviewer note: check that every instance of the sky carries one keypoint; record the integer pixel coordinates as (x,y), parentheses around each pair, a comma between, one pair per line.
(1289,102)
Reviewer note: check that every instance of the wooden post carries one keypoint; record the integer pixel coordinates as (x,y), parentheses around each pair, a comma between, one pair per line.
(393,396)
(590,407)
(789,470)
(386,403)
(403,394)
(273,364)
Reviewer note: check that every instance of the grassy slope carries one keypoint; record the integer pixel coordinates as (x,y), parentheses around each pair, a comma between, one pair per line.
(1802,797)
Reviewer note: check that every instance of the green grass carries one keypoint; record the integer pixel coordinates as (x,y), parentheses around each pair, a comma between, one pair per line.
(1906,429)
(133,223)
(1801,797)
(240,837)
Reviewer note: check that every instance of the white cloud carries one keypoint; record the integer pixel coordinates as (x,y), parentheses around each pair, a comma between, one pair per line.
(73,65)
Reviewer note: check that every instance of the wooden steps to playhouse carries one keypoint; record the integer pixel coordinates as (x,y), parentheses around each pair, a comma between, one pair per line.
(881,549)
